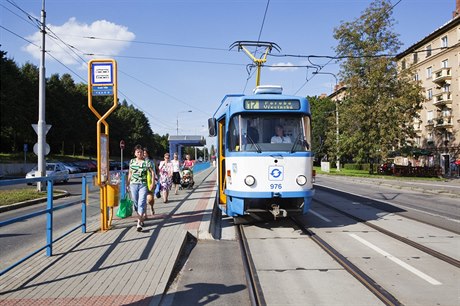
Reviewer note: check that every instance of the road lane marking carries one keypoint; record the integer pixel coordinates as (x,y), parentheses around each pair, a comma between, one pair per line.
(397,261)
(319,216)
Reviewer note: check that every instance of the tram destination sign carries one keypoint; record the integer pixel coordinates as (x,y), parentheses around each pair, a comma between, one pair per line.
(251,104)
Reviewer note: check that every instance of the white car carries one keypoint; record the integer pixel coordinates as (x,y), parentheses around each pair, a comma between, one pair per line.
(56,170)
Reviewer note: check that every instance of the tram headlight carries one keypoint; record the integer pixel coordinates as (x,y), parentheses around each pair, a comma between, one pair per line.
(301,180)
(249,180)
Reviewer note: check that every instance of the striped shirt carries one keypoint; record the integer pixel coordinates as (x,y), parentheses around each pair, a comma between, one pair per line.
(139,171)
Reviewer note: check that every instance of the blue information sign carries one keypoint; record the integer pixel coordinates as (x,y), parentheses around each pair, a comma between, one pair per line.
(102,90)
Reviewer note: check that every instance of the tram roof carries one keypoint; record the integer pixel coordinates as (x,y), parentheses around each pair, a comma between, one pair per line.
(235,102)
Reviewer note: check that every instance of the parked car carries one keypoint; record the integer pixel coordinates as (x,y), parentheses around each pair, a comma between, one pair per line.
(87,165)
(56,170)
(72,167)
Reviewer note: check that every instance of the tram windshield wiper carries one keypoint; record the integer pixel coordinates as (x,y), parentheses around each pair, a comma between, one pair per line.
(300,139)
(254,144)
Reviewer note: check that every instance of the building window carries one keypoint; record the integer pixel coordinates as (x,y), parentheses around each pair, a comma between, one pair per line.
(429,116)
(444,42)
(429,94)
(415,58)
(416,77)
(445,63)
(403,64)
(428,50)
(446,88)
(429,72)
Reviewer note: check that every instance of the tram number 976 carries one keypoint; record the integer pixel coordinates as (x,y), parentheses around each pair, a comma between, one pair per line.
(276,186)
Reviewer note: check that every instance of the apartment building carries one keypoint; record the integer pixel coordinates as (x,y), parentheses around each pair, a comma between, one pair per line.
(435,61)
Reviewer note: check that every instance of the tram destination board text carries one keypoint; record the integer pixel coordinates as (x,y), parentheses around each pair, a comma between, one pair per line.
(271,104)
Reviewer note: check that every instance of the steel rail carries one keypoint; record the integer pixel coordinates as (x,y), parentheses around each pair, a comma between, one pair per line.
(421,247)
(357,273)
(252,281)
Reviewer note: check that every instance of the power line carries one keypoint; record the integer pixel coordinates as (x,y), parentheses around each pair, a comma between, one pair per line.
(164,59)
(152,43)
(250,74)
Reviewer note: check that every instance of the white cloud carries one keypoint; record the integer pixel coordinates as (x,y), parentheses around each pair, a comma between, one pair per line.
(72,33)
(283,67)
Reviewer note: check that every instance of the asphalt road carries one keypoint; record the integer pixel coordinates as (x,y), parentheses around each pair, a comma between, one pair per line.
(21,238)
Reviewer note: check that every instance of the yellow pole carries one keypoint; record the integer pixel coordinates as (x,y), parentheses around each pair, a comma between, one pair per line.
(101,120)
(258,61)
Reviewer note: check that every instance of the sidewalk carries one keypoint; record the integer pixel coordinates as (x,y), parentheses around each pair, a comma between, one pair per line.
(117,267)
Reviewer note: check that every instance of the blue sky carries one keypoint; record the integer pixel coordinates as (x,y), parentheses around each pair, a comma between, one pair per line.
(173,56)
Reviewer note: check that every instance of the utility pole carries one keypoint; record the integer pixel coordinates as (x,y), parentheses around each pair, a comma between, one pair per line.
(41,126)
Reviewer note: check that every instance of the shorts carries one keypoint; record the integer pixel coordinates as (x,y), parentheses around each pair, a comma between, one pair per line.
(176,178)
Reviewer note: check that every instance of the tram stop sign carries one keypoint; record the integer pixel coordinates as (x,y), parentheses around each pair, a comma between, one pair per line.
(122,144)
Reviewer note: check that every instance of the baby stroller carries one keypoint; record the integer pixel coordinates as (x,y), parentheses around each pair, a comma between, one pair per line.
(186,180)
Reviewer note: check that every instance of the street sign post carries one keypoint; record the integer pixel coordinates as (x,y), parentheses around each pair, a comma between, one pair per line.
(102,81)
(122,147)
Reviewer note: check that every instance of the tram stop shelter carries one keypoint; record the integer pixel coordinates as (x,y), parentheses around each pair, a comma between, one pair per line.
(177,142)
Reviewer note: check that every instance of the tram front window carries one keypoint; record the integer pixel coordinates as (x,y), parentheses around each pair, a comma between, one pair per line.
(268,132)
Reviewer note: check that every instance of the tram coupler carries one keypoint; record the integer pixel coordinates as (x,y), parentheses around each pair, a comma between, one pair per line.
(276,211)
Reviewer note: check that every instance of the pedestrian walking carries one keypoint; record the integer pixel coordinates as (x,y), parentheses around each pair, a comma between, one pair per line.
(188,164)
(137,183)
(176,172)
(151,180)
(166,172)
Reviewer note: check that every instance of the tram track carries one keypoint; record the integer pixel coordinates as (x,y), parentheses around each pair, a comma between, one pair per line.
(448,259)
(255,286)
(254,290)
(386,297)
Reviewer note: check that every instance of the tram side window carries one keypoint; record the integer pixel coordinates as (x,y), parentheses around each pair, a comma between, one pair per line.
(234,134)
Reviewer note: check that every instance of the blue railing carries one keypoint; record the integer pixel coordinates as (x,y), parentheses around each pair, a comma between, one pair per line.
(198,167)
(86,178)
(50,209)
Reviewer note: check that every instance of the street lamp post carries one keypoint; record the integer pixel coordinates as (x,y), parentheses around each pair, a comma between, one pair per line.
(336,118)
(177,120)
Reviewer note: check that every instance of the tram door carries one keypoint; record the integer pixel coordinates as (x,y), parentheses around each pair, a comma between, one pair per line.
(221,161)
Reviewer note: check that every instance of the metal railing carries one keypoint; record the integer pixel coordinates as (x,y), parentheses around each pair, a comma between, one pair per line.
(49,211)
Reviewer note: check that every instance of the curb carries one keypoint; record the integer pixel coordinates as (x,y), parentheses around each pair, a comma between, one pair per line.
(31,202)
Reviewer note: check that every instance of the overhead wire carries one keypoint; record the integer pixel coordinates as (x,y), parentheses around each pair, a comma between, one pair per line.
(250,75)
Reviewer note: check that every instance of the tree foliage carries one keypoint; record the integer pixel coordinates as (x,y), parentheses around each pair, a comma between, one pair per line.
(73,128)
(322,110)
(381,104)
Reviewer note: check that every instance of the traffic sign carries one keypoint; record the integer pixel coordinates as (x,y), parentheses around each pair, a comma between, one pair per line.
(102,73)
(47,128)
(122,144)
(47,149)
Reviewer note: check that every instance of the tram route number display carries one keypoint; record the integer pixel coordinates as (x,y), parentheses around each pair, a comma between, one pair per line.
(271,104)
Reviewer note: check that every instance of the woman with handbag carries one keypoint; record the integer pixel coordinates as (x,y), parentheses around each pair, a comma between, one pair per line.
(137,183)
(166,172)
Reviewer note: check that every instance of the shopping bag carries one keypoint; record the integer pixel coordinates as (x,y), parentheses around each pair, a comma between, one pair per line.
(157,190)
(126,207)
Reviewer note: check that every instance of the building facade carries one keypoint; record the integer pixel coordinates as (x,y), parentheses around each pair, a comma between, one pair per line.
(435,63)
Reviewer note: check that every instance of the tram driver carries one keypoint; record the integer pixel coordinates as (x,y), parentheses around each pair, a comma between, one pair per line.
(279,135)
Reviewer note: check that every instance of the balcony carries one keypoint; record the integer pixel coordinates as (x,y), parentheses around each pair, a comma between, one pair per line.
(442,75)
(444,122)
(442,98)
(429,124)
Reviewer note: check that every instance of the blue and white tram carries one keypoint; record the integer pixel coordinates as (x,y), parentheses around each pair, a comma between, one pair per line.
(257,170)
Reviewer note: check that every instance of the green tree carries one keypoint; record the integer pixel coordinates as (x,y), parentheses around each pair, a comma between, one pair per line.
(73,123)
(322,111)
(381,104)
